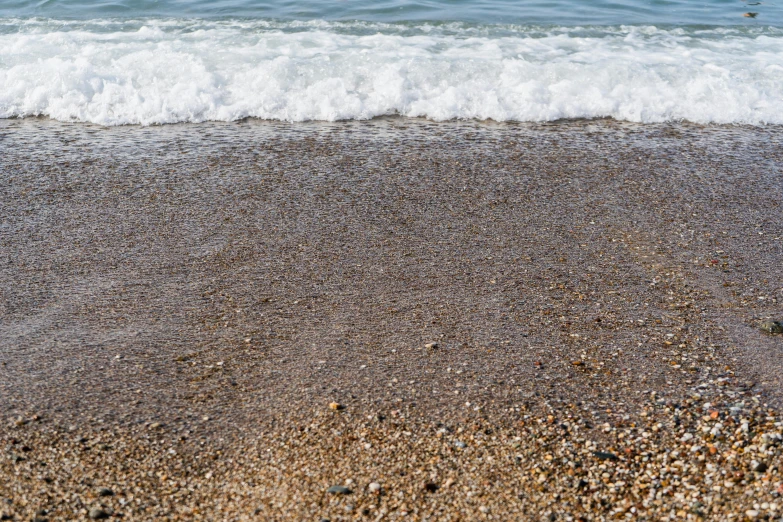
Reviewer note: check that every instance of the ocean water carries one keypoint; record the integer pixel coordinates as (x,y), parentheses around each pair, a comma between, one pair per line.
(153,62)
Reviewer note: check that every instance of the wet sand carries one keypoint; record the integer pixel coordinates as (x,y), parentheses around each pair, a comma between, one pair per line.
(180,305)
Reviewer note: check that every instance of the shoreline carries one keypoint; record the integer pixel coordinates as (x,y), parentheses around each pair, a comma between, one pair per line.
(601,121)
(226,282)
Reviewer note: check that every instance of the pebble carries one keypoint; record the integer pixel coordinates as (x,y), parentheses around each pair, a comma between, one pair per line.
(97,513)
(605,455)
(773,327)
(460,444)
(335,406)
(431,346)
(374,487)
(339,490)
(105,492)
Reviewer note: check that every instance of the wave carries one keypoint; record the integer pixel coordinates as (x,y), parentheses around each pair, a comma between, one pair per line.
(116,72)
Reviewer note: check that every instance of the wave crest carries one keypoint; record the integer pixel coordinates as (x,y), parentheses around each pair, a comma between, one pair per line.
(153,72)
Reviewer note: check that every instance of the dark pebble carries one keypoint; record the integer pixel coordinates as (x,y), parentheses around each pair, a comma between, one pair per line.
(605,455)
(339,490)
(431,487)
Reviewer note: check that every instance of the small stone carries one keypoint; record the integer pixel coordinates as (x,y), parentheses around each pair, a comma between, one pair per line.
(97,513)
(759,467)
(772,327)
(460,444)
(335,406)
(484,509)
(374,487)
(339,490)
(431,487)
(605,455)
(751,513)
(431,346)
(5,516)
(105,492)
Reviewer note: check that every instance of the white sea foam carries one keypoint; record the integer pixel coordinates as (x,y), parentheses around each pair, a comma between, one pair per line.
(150,72)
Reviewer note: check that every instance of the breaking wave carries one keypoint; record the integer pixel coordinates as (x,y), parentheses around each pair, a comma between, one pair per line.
(115,72)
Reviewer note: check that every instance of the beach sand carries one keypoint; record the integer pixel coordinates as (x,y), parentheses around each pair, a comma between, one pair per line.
(455,321)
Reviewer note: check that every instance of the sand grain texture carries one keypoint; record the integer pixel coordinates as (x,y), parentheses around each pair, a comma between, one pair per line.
(180,305)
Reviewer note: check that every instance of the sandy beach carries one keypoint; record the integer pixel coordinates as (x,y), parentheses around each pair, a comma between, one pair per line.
(444,321)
